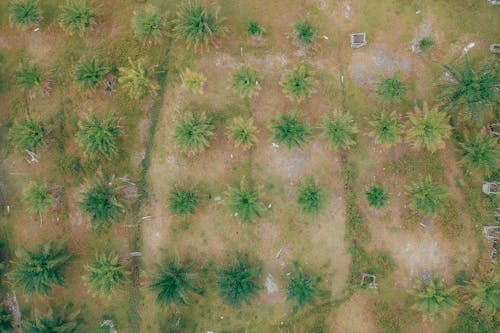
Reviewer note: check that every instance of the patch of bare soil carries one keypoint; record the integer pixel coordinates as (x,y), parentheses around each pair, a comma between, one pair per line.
(354,316)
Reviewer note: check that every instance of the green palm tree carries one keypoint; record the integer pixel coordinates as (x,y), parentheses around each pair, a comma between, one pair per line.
(24,13)
(193,133)
(377,197)
(103,204)
(481,153)
(426,43)
(195,82)
(392,88)
(297,83)
(301,287)
(148,24)
(28,77)
(5,321)
(237,282)
(37,271)
(106,274)
(434,299)
(426,196)
(173,282)
(386,129)
(245,82)
(428,129)
(485,295)
(182,202)
(29,135)
(39,198)
(99,138)
(244,201)
(242,132)
(340,131)
(474,93)
(54,321)
(136,79)
(305,32)
(254,29)
(89,73)
(76,16)
(290,131)
(311,197)
(197,25)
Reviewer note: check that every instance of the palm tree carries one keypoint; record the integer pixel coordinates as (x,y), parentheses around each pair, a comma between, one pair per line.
(392,89)
(98,138)
(245,82)
(197,25)
(237,282)
(301,287)
(311,197)
(254,29)
(290,131)
(5,321)
(54,321)
(386,129)
(434,299)
(377,197)
(37,271)
(182,202)
(24,13)
(89,73)
(297,83)
(486,295)
(29,135)
(28,77)
(148,24)
(195,82)
(426,196)
(39,198)
(76,16)
(193,133)
(428,129)
(340,131)
(173,283)
(475,92)
(102,203)
(244,201)
(106,274)
(305,32)
(481,153)
(136,79)
(242,132)
(426,43)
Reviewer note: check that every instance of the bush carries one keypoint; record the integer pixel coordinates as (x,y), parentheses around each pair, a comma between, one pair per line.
(340,132)
(39,198)
(102,203)
(29,135)
(242,131)
(193,133)
(254,29)
(195,82)
(297,83)
(377,197)
(290,131)
(148,24)
(89,73)
(76,16)
(245,82)
(99,138)
(305,32)
(244,201)
(301,288)
(311,197)
(28,77)
(426,196)
(24,13)
(392,89)
(182,202)
(426,43)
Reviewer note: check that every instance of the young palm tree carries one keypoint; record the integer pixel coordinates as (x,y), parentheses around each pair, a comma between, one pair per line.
(486,295)
(5,321)
(89,73)
(197,25)
(173,283)
(426,196)
(193,133)
(340,131)
(24,13)
(426,43)
(428,129)
(237,282)
(290,131)
(39,198)
(106,274)
(311,197)
(254,29)
(55,320)
(182,202)
(475,92)
(386,129)
(29,135)
(301,287)
(242,132)
(481,153)
(244,201)
(297,83)
(28,77)
(434,299)
(37,271)
(148,24)
(392,89)
(102,203)
(136,79)
(98,138)
(245,82)
(76,16)
(377,197)
(195,82)
(305,32)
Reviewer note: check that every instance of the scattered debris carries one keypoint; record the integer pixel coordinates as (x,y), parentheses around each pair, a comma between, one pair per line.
(270,284)
(358,40)
(494,2)
(32,157)
(491,232)
(275,145)
(279,253)
(469,46)
(370,280)
(135,254)
(418,12)
(218,198)
(270,206)
(13,306)
(147,218)
(325,37)
(494,129)
(495,48)
(347,11)
(491,188)
(426,277)
(110,324)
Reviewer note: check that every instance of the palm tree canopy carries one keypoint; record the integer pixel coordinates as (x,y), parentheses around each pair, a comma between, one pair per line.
(428,129)
(28,76)
(290,131)
(89,73)
(76,16)
(297,83)
(377,197)
(301,288)
(481,153)
(193,133)
(102,203)
(136,79)
(54,321)
(24,13)
(340,131)
(311,197)
(244,200)
(148,24)
(392,89)
(486,295)
(105,274)
(386,129)
(99,137)
(29,135)
(182,202)
(245,82)
(193,81)
(242,131)
(434,299)
(426,196)
(39,197)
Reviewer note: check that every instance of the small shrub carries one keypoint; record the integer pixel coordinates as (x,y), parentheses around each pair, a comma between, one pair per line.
(244,200)
(29,135)
(195,82)
(182,202)
(311,197)
(102,203)
(136,79)
(392,89)
(377,197)
(242,132)
(89,73)
(148,24)
(24,13)
(76,16)
(305,32)
(39,198)
(28,77)
(302,288)
(245,82)
(254,29)
(340,131)
(193,133)
(297,83)
(98,138)
(290,131)
(426,196)
(426,43)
